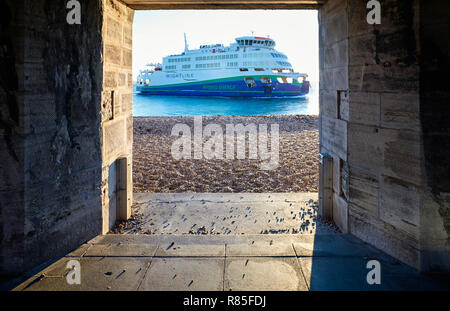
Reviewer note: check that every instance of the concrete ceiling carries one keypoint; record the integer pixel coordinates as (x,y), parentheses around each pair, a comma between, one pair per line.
(223,4)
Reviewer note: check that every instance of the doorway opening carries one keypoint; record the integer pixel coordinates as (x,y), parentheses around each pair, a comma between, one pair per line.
(219,195)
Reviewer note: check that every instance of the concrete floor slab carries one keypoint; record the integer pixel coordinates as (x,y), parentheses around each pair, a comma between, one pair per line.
(184,274)
(263,274)
(97,273)
(261,247)
(190,250)
(121,249)
(131,238)
(259,267)
(79,252)
(350,273)
(225,213)
(334,245)
(341,273)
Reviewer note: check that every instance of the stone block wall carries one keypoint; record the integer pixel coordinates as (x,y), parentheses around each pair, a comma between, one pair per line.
(371,123)
(385,152)
(334,98)
(116,111)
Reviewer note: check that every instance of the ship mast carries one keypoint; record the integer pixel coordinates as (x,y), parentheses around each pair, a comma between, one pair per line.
(186,47)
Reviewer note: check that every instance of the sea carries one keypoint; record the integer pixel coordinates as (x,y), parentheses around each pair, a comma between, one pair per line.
(159,105)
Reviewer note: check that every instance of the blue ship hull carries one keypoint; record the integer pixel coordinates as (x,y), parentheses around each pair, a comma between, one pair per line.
(229,88)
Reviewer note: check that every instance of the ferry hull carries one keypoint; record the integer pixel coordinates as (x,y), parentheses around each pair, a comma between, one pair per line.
(233,88)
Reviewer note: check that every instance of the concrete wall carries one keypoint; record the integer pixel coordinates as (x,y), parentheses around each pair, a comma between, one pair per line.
(11,137)
(116,111)
(66,126)
(55,96)
(58,137)
(435,122)
(371,112)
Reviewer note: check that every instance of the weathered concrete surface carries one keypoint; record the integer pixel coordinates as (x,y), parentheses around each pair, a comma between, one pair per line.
(182,274)
(340,263)
(224,213)
(382,118)
(12,126)
(434,119)
(50,132)
(117,120)
(282,274)
(56,155)
(66,89)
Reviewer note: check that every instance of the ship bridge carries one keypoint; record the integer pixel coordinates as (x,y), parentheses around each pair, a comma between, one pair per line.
(255,41)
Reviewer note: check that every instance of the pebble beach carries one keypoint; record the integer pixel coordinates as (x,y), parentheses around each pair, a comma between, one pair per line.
(155,170)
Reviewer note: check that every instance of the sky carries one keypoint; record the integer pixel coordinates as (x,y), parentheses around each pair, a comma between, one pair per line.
(159,33)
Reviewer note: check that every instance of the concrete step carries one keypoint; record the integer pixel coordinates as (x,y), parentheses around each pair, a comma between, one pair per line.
(227,262)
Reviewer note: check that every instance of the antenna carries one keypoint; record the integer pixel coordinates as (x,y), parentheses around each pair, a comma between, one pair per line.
(186,47)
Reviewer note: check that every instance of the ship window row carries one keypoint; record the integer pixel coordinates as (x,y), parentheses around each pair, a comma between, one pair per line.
(251,42)
(253,55)
(171,67)
(276,55)
(284,63)
(252,83)
(210,65)
(262,63)
(232,64)
(211,46)
(213,57)
(186,66)
(180,59)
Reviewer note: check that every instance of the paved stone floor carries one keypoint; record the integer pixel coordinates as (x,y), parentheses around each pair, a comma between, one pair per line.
(287,262)
(222,242)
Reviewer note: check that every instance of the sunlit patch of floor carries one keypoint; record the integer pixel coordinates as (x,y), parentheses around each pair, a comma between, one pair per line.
(224,213)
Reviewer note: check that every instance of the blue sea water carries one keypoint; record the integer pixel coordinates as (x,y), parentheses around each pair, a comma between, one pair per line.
(159,105)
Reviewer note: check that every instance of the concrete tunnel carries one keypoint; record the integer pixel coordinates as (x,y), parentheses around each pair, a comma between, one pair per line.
(66,124)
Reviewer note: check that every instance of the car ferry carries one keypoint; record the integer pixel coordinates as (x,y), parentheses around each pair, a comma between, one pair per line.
(248,67)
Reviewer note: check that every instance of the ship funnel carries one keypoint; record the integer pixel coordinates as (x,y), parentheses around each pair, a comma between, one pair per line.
(186,47)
